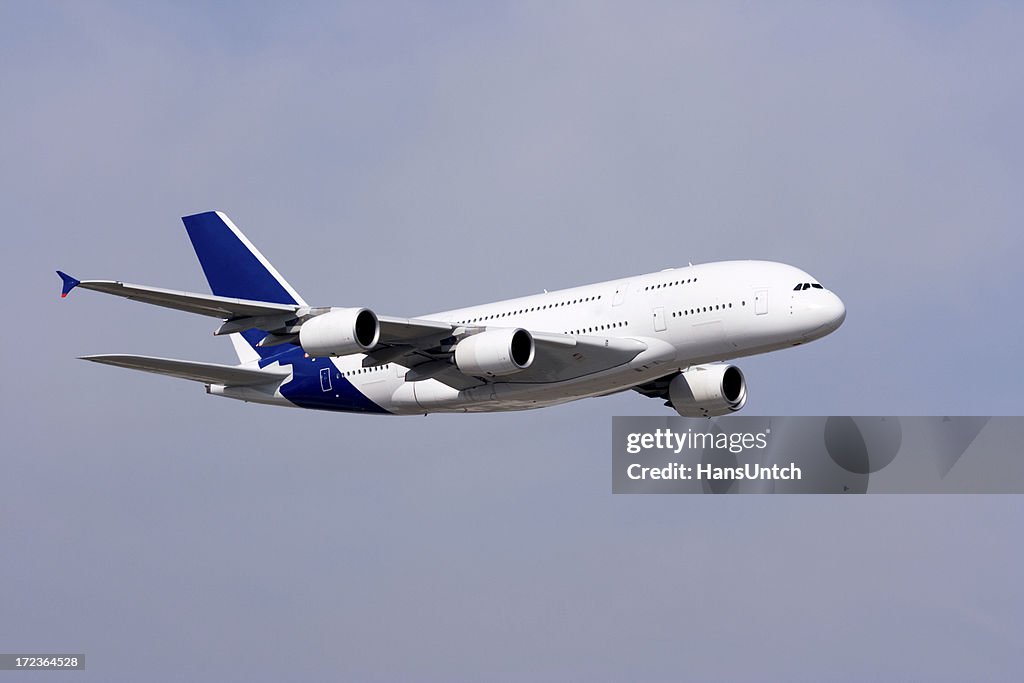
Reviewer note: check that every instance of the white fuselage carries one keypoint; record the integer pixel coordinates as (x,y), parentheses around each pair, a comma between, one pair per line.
(686,316)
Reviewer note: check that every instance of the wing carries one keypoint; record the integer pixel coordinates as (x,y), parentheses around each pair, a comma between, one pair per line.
(245,314)
(561,357)
(207,373)
(427,352)
(190,302)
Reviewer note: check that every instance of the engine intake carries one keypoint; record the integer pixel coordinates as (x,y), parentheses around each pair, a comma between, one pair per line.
(493,353)
(340,332)
(708,390)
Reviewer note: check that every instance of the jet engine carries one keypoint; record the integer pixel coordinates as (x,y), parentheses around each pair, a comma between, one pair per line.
(495,352)
(339,332)
(708,390)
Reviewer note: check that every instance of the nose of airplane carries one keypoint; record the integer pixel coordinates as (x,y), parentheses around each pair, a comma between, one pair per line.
(827,312)
(836,311)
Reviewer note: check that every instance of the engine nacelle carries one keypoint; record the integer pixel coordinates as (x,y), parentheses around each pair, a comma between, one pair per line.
(495,352)
(708,390)
(339,332)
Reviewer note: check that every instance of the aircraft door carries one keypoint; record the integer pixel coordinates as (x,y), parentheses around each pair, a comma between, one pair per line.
(760,301)
(620,294)
(659,319)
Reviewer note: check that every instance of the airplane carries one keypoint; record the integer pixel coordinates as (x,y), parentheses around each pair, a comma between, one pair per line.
(665,335)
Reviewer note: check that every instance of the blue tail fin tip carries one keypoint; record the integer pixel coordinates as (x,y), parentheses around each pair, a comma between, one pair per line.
(69,283)
(232,265)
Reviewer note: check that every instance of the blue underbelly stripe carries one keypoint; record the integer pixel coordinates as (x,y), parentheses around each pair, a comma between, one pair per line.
(306,389)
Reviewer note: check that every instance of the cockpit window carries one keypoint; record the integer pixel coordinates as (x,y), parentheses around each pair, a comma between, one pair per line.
(816,285)
(798,287)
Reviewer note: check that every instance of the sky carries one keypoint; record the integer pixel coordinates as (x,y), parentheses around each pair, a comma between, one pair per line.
(413,157)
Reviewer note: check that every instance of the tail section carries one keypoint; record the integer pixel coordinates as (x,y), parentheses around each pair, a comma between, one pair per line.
(235,268)
(232,265)
(244,348)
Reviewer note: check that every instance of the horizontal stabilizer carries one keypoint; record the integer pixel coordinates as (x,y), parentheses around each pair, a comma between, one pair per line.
(207,373)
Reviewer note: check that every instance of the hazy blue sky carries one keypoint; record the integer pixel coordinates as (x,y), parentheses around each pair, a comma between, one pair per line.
(424,156)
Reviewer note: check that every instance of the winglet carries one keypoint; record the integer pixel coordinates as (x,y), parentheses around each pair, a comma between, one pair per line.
(69,283)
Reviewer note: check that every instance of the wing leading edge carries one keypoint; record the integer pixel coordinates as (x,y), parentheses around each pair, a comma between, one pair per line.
(190,302)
